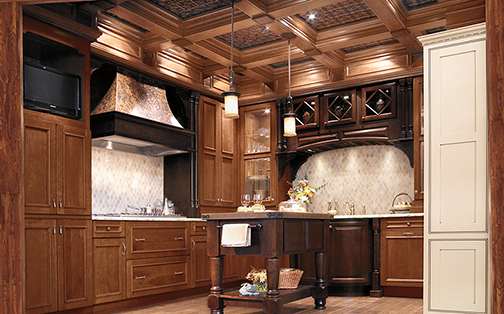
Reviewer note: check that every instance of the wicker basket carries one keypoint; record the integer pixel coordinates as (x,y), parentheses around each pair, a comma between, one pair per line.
(289,278)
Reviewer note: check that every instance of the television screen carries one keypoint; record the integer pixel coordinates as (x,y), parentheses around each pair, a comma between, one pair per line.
(49,90)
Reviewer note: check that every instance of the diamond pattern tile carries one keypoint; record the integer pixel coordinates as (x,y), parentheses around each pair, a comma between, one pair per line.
(367,175)
(120,179)
(345,12)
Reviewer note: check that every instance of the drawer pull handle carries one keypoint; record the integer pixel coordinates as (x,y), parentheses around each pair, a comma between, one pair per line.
(140,240)
(408,233)
(178,273)
(140,277)
(178,238)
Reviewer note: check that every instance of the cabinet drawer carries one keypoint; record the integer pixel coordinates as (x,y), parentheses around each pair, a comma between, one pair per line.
(198,228)
(156,275)
(401,223)
(108,229)
(157,239)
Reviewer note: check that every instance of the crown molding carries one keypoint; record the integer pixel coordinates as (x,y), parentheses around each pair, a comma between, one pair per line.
(477,31)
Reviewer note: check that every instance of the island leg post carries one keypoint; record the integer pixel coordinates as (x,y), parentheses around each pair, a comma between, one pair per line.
(319,292)
(272,304)
(215,303)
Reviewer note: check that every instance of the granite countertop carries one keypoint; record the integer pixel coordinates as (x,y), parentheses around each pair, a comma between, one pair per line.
(378,216)
(143,218)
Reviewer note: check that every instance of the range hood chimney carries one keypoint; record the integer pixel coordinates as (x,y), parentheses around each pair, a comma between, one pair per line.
(136,117)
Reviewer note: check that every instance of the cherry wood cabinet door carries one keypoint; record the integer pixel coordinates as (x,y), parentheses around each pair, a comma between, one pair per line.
(228,164)
(40,166)
(209,138)
(349,258)
(75,176)
(200,261)
(401,252)
(40,266)
(109,270)
(75,265)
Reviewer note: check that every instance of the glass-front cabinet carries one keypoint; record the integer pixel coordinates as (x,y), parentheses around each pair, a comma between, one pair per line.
(378,102)
(258,163)
(418,139)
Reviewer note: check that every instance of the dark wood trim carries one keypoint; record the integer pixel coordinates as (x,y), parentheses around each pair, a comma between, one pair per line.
(495,81)
(11,160)
(376,288)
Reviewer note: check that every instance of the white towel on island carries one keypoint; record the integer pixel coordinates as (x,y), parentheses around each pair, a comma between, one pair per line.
(236,235)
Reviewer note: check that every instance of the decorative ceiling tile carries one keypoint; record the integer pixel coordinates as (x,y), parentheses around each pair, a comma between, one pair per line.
(250,37)
(293,62)
(416,4)
(369,45)
(349,11)
(186,9)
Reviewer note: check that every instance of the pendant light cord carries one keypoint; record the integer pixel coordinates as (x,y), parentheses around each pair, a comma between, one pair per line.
(232,33)
(289,66)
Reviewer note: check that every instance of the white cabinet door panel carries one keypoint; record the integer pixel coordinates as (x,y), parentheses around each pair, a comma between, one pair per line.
(458,276)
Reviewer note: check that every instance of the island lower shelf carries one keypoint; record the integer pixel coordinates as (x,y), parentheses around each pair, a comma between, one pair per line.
(286,296)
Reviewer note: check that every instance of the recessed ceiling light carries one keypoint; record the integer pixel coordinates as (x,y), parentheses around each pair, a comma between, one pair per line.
(267,111)
(311,16)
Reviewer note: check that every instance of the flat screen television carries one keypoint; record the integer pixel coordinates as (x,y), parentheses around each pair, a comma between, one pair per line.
(46,89)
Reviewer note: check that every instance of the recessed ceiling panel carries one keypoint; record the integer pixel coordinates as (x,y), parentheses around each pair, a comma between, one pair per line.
(416,4)
(186,9)
(250,37)
(369,45)
(341,13)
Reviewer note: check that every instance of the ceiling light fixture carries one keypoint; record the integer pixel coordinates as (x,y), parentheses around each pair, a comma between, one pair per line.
(231,96)
(311,16)
(289,117)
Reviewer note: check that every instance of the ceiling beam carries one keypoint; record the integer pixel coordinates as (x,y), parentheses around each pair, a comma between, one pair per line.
(392,14)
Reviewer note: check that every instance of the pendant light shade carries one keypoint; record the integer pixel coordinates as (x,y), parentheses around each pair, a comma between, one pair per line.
(231,96)
(289,118)
(289,121)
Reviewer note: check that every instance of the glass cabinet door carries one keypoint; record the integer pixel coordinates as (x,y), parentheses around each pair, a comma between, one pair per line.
(257,131)
(258,177)
(378,102)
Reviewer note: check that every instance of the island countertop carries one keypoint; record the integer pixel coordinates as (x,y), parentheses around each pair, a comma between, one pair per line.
(402,215)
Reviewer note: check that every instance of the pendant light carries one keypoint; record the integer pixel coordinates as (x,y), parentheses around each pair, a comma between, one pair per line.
(231,96)
(289,117)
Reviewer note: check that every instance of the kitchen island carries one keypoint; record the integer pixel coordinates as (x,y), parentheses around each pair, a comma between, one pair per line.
(273,234)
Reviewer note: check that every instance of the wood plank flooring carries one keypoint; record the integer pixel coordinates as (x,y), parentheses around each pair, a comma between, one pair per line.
(339,305)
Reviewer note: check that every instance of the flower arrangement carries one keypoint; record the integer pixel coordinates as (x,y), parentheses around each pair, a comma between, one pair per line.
(302,192)
(259,278)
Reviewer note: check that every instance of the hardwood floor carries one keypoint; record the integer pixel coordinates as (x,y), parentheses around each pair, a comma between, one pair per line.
(347,305)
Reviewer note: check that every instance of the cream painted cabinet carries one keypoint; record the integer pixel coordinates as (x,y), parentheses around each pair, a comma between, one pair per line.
(456,263)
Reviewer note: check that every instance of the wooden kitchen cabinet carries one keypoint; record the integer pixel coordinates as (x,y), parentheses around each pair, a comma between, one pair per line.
(110,269)
(217,175)
(58,264)
(418,142)
(349,256)
(57,166)
(200,262)
(157,275)
(401,252)
(258,152)
(339,108)
(378,102)
(350,252)
(41,265)
(307,110)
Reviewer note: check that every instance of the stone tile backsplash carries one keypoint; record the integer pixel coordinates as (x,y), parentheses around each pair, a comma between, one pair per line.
(368,176)
(120,179)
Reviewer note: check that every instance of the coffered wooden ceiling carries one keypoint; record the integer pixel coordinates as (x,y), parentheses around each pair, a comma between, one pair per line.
(341,40)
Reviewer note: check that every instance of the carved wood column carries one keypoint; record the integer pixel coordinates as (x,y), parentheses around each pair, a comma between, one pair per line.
(11,161)
(495,86)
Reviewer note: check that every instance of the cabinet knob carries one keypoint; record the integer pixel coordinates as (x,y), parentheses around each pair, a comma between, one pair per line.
(123,248)
(408,223)
(54,203)
(108,228)
(204,228)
